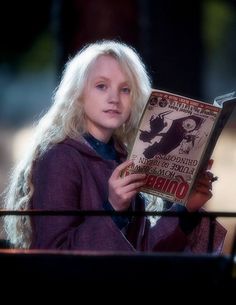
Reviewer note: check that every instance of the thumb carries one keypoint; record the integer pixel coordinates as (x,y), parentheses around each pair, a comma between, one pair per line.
(120,168)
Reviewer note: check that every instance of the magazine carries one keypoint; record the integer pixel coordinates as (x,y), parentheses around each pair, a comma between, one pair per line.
(175,140)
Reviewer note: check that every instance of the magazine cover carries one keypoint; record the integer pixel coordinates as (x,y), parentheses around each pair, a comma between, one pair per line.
(169,146)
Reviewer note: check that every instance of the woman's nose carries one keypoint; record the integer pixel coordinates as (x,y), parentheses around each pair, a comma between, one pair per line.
(114,96)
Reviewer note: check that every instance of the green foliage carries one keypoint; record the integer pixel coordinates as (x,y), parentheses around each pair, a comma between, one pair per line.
(218,16)
(40,55)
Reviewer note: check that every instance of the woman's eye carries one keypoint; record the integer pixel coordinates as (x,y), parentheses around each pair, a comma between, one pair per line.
(101,86)
(126,90)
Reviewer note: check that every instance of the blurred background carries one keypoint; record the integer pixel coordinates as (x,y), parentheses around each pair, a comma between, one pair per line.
(189,48)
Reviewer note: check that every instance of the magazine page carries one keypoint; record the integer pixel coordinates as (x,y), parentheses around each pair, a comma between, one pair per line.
(170,143)
(220,100)
(228,103)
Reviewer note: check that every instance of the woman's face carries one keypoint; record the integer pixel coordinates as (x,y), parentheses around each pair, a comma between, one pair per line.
(106,97)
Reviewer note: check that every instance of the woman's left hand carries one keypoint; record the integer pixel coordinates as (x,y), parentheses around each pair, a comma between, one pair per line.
(201,192)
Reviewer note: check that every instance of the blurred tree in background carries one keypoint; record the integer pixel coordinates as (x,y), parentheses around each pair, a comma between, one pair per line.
(188,46)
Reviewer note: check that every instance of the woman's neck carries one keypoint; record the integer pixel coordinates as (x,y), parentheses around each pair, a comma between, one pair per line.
(105,150)
(100,136)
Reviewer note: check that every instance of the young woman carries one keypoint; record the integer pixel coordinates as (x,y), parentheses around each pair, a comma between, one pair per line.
(75,162)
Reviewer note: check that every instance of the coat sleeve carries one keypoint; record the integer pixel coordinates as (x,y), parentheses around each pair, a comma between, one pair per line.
(57,186)
(167,236)
(198,240)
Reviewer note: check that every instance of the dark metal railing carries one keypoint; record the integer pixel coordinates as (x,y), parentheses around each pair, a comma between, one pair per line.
(212,216)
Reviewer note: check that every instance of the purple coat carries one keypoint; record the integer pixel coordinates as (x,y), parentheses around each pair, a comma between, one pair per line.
(71,175)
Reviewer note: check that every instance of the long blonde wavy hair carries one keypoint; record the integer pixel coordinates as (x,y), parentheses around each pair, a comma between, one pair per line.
(65,118)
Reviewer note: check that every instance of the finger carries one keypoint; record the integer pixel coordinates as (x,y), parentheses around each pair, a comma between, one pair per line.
(210,163)
(205,176)
(208,175)
(205,192)
(204,183)
(133,178)
(203,188)
(135,186)
(116,173)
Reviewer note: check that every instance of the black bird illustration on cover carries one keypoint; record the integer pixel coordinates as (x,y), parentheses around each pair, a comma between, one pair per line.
(157,124)
(180,129)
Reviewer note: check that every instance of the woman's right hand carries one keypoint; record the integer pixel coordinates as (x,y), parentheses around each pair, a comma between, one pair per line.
(123,189)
